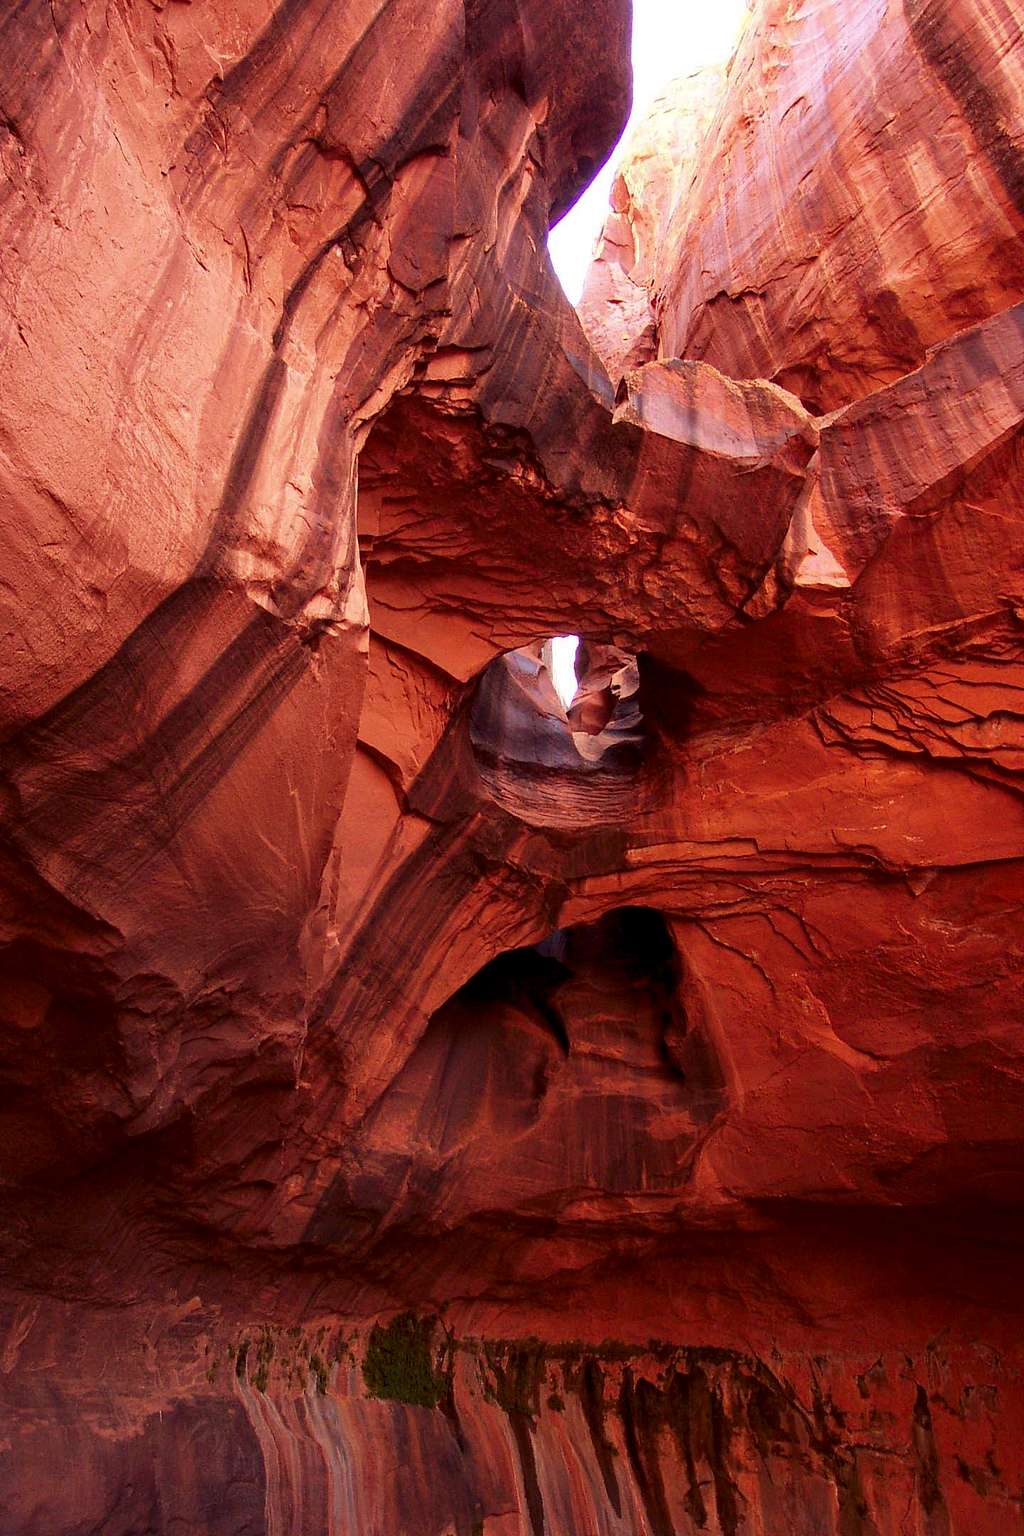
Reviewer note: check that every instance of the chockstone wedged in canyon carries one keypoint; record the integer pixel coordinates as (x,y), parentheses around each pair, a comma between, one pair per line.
(430,1110)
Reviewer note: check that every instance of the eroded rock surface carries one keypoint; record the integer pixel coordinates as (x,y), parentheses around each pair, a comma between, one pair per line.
(660,159)
(412,1122)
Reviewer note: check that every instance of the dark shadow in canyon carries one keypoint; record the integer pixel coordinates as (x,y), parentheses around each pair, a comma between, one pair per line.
(562,1072)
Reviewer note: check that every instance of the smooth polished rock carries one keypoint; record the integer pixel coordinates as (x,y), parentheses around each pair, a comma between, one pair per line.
(659,161)
(425,1109)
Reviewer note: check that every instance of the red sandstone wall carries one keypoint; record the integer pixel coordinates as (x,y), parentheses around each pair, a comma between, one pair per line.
(297,435)
(859,199)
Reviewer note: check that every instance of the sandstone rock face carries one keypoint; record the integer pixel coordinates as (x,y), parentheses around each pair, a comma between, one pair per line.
(860,197)
(660,159)
(427,1109)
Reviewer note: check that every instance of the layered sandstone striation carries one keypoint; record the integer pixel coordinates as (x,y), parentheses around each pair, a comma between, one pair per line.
(427,1109)
(853,199)
(659,161)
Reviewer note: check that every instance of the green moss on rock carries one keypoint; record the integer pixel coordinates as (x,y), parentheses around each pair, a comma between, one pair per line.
(264,1355)
(319,1369)
(399,1362)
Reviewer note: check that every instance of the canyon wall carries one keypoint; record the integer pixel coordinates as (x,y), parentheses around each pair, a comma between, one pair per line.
(426,1111)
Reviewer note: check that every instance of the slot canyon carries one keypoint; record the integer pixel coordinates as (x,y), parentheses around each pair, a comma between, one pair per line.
(436,1100)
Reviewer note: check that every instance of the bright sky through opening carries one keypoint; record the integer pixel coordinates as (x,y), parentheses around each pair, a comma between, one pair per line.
(563,667)
(670,38)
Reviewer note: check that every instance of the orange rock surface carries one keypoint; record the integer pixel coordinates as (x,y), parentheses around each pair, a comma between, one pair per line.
(427,1108)
(859,199)
(659,161)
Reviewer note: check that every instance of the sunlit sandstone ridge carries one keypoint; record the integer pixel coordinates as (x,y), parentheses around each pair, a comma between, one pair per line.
(429,1110)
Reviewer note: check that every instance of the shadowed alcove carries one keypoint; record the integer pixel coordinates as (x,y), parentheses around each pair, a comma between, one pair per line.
(558,1070)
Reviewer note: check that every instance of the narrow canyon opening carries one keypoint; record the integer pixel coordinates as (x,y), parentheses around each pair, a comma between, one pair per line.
(558,731)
